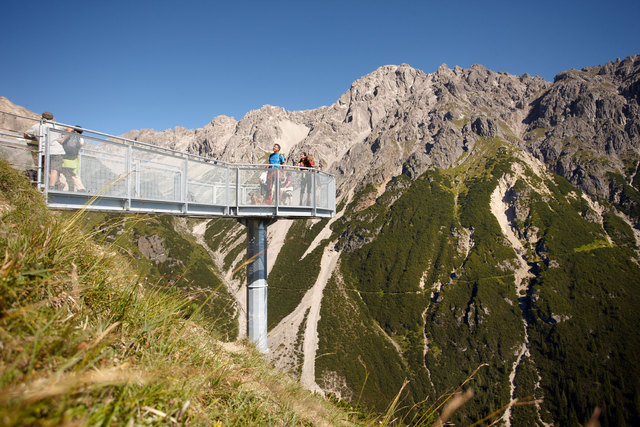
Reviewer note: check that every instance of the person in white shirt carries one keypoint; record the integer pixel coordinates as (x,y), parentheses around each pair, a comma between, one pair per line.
(56,152)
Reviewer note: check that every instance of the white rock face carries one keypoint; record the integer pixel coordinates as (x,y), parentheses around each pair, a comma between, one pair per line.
(394,120)
(16,124)
(398,119)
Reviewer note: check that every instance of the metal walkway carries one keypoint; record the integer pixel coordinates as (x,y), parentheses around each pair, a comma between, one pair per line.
(116,174)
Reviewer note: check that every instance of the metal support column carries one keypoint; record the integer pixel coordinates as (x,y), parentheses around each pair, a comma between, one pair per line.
(41,147)
(257,281)
(128,175)
(184,196)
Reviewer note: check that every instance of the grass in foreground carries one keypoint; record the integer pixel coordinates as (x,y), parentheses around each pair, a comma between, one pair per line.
(84,342)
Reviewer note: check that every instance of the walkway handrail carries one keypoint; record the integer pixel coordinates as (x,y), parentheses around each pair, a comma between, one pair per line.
(152,146)
(119,174)
(131,175)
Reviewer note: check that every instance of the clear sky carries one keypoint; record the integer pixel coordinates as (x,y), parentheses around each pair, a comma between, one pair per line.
(119,65)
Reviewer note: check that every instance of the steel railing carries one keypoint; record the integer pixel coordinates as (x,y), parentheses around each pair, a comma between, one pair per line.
(113,173)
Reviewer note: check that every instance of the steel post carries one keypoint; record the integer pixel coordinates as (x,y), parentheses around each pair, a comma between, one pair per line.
(257,281)
(47,162)
(41,148)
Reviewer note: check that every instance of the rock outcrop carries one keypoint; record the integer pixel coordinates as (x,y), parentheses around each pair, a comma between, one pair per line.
(587,124)
(394,120)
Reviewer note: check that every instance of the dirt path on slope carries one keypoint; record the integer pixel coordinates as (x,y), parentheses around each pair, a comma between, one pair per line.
(276,235)
(283,337)
(499,209)
(328,264)
(235,287)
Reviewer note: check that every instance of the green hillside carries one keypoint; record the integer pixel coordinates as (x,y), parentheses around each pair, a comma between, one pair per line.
(425,295)
(165,256)
(410,285)
(86,341)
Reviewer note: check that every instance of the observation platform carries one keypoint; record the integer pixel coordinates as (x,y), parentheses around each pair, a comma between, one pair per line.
(121,175)
(113,174)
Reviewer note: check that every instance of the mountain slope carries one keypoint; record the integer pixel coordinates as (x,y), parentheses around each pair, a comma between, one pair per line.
(85,341)
(484,219)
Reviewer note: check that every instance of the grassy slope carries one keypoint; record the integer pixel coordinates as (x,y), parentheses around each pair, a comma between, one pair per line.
(588,284)
(474,320)
(83,342)
(381,283)
(187,265)
(289,278)
(585,339)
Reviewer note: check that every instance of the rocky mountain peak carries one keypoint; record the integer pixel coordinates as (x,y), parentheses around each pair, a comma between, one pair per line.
(396,119)
(401,120)
(587,124)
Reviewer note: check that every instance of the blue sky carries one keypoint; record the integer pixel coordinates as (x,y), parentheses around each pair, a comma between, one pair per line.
(118,65)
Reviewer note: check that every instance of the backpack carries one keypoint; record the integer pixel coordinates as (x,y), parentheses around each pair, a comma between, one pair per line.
(72,147)
(278,161)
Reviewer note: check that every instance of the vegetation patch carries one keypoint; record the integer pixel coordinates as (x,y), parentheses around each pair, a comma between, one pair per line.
(618,230)
(624,196)
(538,133)
(291,277)
(466,322)
(577,330)
(298,347)
(461,122)
(597,244)
(350,343)
(217,230)
(166,258)
(85,342)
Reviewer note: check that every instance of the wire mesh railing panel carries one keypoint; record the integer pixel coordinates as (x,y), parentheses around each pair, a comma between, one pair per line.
(156,176)
(72,165)
(208,183)
(323,191)
(332,194)
(103,174)
(233,184)
(84,164)
(305,186)
(17,152)
(288,186)
(102,167)
(257,186)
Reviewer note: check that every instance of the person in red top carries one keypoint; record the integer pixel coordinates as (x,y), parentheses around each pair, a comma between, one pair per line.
(306,161)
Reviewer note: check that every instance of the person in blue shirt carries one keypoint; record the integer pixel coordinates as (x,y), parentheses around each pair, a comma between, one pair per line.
(276,160)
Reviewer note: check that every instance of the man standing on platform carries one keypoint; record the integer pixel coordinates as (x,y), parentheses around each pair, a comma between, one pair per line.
(276,160)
